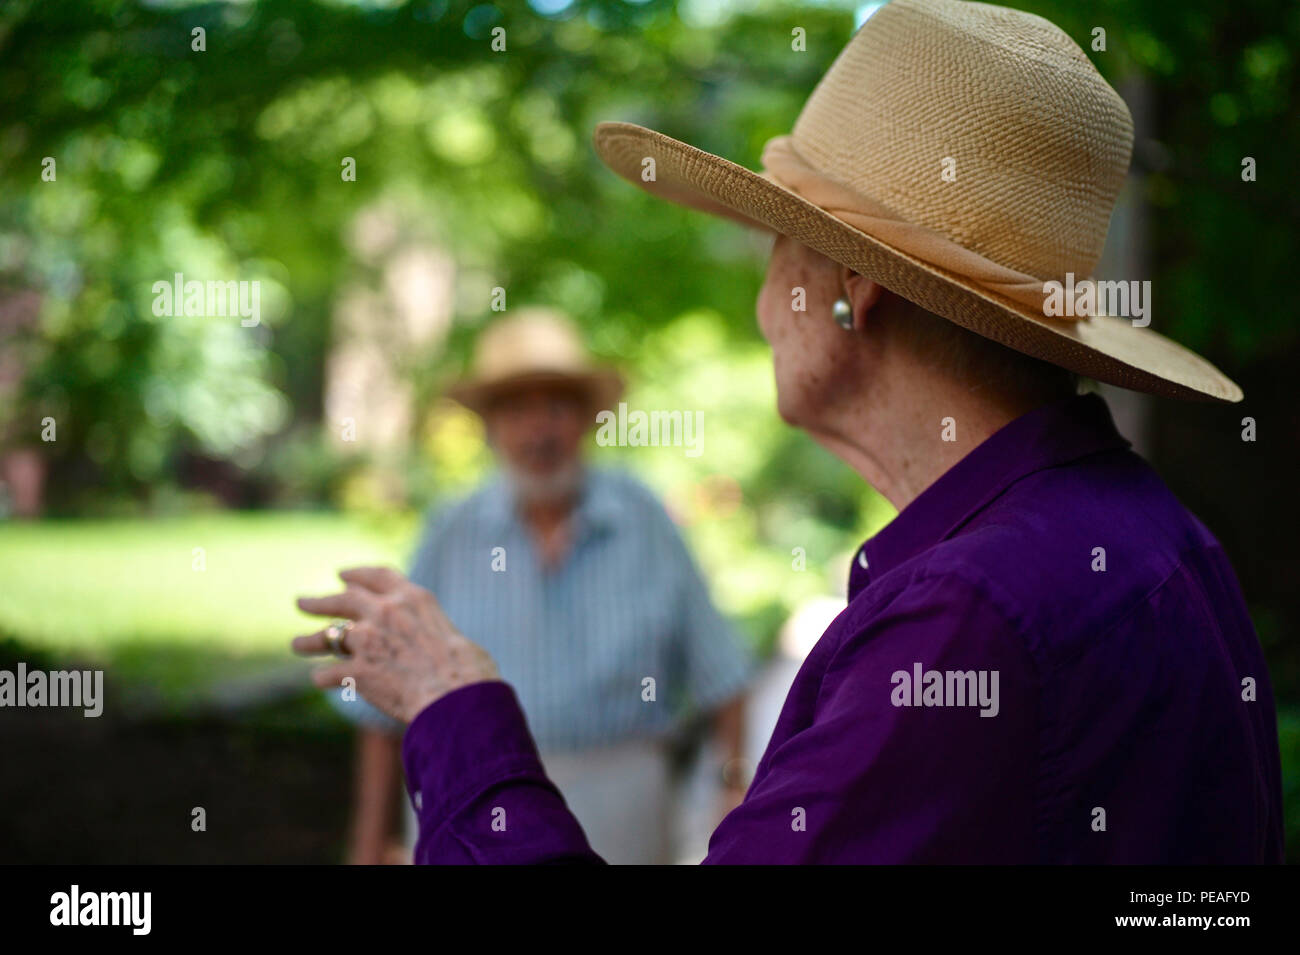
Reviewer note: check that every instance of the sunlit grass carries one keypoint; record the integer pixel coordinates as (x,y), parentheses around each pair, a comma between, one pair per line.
(128,594)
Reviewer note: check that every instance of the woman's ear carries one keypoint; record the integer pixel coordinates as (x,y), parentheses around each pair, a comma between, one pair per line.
(863,295)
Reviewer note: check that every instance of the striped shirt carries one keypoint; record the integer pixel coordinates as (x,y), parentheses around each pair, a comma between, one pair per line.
(619,641)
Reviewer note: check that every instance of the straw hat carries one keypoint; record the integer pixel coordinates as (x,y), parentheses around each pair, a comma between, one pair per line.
(1035,145)
(533,346)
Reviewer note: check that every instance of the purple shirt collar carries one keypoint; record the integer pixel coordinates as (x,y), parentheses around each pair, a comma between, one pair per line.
(1046,437)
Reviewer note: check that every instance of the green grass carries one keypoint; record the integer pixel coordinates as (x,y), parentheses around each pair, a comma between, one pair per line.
(125,594)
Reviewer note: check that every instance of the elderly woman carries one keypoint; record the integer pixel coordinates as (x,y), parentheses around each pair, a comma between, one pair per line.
(1045,657)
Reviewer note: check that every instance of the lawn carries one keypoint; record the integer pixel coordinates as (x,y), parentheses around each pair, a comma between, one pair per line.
(166,620)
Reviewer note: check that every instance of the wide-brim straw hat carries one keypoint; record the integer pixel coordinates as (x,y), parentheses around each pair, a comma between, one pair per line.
(961,155)
(533,346)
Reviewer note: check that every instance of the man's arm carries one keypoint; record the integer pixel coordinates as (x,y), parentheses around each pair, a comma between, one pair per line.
(715,668)
(375,788)
(729,737)
(376,782)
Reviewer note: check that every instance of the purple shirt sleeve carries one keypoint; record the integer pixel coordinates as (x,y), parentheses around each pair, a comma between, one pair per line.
(478,787)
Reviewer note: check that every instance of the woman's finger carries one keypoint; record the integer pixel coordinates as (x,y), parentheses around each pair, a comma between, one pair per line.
(381,580)
(310,643)
(352,603)
(333,674)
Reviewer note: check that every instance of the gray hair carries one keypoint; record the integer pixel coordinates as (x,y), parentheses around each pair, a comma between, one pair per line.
(984,362)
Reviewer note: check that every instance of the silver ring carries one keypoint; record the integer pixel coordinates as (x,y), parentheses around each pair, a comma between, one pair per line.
(334,635)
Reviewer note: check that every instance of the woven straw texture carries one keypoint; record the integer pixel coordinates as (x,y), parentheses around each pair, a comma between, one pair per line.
(1041,147)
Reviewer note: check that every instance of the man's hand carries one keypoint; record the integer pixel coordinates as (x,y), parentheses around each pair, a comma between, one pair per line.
(402,650)
(729,798)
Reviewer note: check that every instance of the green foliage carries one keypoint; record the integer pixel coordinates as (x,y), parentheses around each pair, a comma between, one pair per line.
(226,163)
(1288,732)
(1223,85)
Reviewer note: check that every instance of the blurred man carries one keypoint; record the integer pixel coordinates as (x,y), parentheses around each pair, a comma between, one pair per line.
(581,588)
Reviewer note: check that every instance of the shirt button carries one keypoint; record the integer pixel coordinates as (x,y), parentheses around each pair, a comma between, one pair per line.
(418,800)
(862,559)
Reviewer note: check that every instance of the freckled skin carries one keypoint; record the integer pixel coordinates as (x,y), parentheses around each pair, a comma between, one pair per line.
(816,362)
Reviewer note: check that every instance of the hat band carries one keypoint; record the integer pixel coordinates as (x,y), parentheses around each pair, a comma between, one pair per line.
(786,167)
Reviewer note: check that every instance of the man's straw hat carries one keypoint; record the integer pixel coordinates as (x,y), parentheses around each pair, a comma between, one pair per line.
(1037,145)
(533,346)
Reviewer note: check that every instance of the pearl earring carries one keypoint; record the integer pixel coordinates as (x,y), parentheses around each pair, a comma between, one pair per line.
(842,312)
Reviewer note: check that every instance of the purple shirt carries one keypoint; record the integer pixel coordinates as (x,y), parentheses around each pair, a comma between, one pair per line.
(1044,658)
